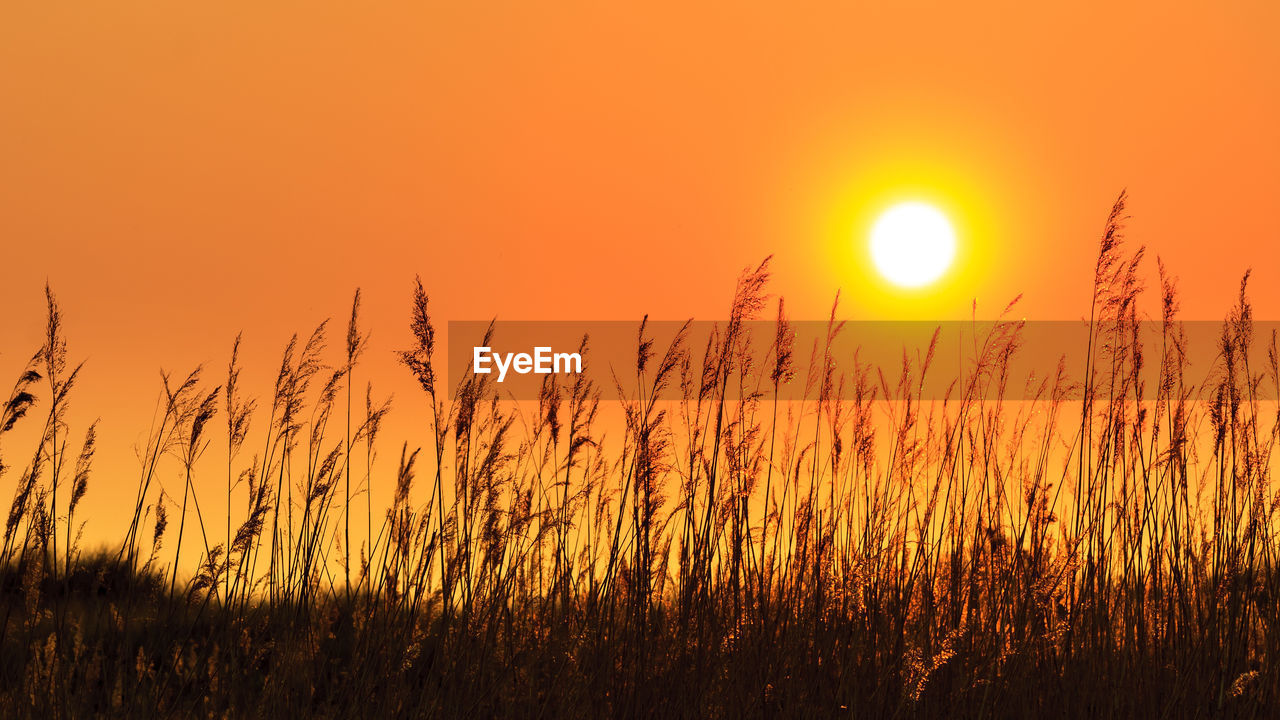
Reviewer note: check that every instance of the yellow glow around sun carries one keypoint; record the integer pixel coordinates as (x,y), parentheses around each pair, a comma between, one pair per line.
(912,244)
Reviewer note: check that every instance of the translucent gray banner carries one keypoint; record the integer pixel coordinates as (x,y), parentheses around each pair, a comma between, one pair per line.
(1013,360)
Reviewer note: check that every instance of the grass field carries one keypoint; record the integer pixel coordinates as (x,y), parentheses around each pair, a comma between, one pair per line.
(724,555)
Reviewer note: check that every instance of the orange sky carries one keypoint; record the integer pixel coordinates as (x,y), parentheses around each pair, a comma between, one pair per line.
(181,171)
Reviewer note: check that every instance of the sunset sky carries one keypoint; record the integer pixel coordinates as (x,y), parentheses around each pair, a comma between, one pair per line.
(181,171)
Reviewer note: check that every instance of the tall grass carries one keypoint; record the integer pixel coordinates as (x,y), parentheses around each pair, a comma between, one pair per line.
(863,552)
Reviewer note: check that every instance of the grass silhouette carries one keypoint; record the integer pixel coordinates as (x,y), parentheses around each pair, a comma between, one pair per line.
(729,556)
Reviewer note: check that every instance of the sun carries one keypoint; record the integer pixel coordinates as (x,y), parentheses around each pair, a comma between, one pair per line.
(912,244)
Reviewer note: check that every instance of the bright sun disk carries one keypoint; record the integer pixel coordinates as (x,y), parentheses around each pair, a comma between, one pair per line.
(912,244)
